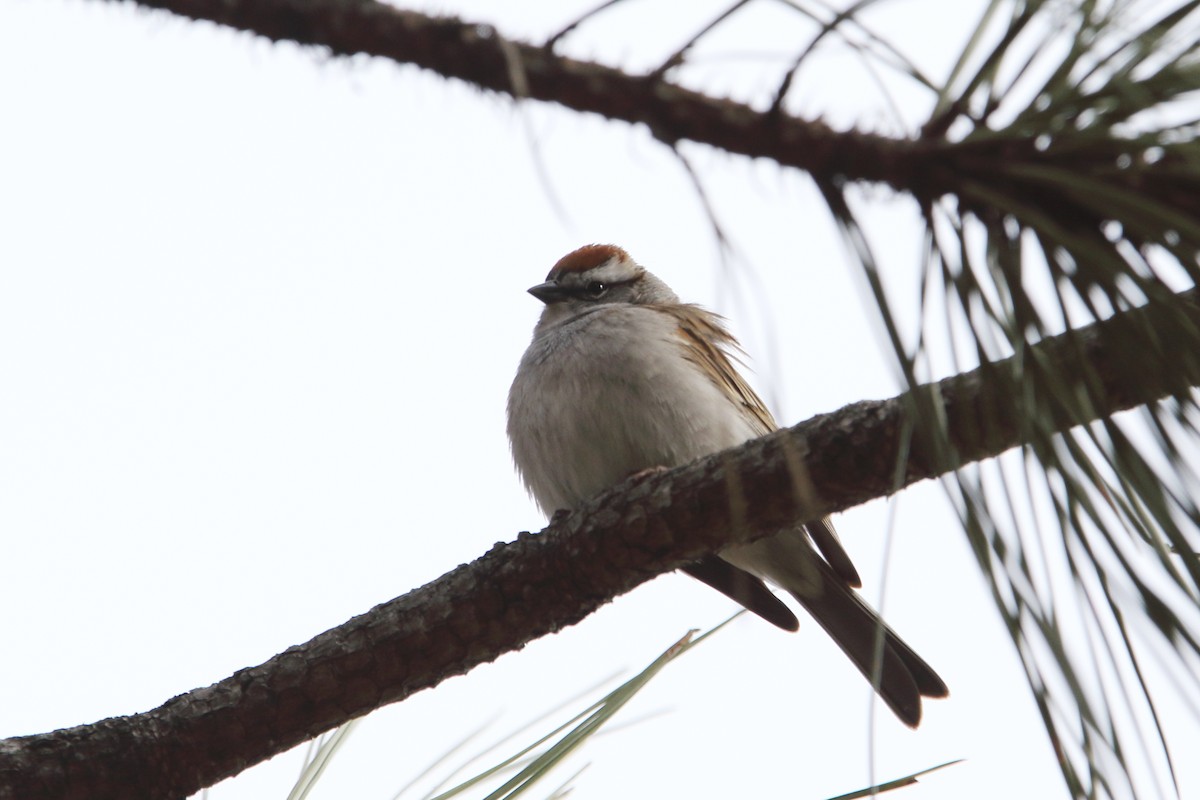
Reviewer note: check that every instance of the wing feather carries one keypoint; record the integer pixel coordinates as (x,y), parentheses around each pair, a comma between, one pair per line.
(708,347)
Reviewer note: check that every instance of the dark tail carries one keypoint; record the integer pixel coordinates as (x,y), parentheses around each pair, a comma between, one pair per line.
(899,675)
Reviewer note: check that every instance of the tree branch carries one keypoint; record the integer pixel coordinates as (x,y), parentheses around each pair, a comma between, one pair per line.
(1000,169)
(478,54)
(536,585)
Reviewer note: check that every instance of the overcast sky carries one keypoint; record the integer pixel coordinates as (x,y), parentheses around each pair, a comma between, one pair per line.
(259,312)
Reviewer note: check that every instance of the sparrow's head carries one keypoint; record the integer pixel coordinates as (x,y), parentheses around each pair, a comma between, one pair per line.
(593,275)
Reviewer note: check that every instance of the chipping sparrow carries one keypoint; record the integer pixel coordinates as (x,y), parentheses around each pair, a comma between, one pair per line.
(621,377)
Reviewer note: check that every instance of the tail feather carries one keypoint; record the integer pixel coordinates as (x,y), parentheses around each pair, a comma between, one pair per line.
(789,560)
(743,588)
(899,675)
(826,540)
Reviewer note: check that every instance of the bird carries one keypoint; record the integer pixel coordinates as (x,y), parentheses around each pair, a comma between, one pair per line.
(621,378)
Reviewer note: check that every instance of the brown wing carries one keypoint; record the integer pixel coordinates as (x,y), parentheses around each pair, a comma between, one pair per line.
(709,345)
(708,348)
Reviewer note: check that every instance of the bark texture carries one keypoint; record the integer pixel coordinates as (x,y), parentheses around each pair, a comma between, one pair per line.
(478,54)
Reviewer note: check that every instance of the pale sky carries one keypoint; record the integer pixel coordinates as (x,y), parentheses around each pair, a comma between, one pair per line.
(259,312)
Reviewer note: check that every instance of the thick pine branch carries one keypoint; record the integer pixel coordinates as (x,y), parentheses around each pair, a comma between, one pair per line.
(928,166)
(539,584)
(478,54)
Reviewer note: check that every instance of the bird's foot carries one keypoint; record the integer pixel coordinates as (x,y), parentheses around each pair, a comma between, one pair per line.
(648,472)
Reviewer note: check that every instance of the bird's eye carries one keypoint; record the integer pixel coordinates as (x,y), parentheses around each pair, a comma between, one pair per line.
(596,289)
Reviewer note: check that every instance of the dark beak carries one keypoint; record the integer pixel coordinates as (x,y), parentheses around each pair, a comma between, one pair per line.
(548,292)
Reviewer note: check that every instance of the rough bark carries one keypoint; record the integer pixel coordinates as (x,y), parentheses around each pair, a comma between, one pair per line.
(478,54)
(535,585)
(976,170)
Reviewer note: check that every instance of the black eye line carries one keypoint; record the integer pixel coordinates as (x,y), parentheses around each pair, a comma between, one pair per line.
(588,293)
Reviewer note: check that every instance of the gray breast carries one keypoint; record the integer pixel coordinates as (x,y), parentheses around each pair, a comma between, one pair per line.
(606,395)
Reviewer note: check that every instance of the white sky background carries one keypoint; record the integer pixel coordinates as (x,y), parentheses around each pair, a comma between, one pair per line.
(259,312)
